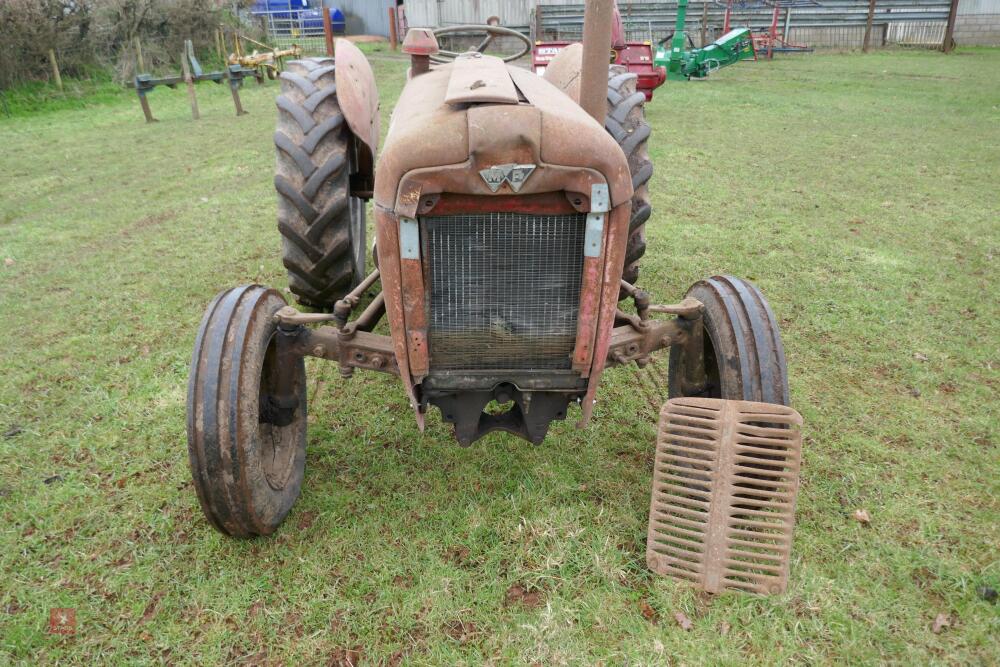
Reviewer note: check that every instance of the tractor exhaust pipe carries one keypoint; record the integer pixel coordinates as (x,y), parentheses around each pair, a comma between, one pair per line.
(597,20)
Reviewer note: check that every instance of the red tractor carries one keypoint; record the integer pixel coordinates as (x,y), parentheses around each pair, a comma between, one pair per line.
(509,222)
(635,57)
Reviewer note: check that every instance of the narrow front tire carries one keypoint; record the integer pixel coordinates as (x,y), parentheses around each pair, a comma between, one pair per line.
(744,356)
(247,465)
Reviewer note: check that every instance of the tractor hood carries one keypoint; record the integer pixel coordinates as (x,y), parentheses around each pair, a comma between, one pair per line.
(477,113)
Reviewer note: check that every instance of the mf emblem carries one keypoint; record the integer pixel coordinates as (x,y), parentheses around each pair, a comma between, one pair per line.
(513,174)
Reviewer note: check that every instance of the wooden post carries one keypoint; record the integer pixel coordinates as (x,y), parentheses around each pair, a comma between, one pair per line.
(139,63)
(146,111)
(773,32)
(220,46)
(328,31)
(55,70)
(190,84)
(235,90)
(868,26)
(393,32)
(949,31)
(704,24)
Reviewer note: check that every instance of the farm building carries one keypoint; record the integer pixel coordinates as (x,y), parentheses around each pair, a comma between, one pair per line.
(821,23)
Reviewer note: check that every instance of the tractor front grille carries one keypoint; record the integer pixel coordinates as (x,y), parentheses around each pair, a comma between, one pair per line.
(725,479)
(504,290)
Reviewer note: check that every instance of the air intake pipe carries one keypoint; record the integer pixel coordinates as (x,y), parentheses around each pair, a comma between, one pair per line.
(597,21)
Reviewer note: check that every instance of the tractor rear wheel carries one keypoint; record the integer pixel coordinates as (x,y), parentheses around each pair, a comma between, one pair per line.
(321,224)
(626,122)
(744,357)
(247,448)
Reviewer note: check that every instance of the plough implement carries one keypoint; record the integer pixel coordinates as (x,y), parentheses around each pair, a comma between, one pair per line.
(193,73)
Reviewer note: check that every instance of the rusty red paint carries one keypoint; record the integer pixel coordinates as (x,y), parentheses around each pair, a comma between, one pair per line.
(420,42)
(415,316)
(548,203)
(614,262)
(357,95)
(387,236)
(590,300)
(479,79)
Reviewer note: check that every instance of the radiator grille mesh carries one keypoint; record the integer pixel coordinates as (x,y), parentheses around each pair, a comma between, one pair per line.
(725,479)
(504,290)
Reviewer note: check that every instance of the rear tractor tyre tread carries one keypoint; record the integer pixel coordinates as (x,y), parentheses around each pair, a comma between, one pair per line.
(626,122)
(312,177)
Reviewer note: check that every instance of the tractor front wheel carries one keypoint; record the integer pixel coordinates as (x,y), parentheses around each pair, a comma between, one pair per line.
(246,442)
(744,357)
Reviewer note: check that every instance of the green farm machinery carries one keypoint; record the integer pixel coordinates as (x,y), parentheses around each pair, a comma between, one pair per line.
(683,65)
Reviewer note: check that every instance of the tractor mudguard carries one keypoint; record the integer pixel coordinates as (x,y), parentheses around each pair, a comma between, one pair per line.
(563,71)
(357,95)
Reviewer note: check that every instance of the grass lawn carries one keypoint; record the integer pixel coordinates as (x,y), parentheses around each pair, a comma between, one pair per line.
(861,193)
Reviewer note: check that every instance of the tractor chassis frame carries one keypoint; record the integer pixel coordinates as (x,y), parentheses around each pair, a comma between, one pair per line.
(533,404)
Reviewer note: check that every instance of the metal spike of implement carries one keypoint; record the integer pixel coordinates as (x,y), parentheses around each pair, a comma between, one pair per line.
(725,482)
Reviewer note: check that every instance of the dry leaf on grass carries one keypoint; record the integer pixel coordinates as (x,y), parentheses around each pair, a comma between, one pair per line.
(150,610)
(941,621)
(862,516)
(683,621)
(648,612)
(9,261)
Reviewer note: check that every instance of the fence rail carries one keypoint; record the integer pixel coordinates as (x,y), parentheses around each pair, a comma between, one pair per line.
(835,23)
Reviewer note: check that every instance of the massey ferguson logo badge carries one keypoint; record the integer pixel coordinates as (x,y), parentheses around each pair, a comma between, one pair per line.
(514,174)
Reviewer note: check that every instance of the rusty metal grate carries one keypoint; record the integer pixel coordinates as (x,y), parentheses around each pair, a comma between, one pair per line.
(504,289)
(724,486)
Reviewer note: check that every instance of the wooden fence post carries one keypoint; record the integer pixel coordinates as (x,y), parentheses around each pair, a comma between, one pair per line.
(55,70)
(868,26)
(393,33)
(328,31)
(190,84)
(138,57)
(220,46)
(949,31)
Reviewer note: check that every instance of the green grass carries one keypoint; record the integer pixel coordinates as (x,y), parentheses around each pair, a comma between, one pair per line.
(30,99)
(859,192)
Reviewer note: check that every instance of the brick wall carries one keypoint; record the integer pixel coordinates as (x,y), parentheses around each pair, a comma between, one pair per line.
(977,30)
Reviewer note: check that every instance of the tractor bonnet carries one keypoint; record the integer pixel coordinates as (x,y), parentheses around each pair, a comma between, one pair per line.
(477,114)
